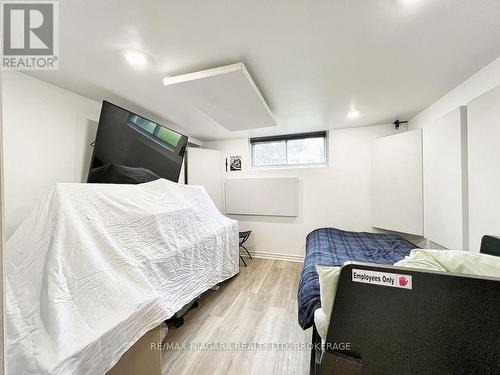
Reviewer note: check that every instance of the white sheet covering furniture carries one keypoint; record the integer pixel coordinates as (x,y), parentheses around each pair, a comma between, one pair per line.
(96,266)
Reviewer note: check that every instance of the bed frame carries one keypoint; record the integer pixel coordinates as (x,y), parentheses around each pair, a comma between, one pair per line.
(445,324)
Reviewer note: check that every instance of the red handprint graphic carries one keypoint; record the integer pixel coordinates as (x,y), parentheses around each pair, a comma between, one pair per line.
(403,281)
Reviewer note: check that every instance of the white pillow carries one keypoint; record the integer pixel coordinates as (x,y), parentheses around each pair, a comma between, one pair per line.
(321,323)
(465,262)
(328,281)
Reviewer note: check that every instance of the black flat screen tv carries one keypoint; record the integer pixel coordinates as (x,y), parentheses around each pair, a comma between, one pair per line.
(130,149)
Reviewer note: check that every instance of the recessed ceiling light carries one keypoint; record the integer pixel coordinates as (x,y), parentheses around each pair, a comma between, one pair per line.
(353,114)
(135,58)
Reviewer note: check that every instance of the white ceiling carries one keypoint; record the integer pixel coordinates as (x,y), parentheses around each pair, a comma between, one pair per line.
(312,60)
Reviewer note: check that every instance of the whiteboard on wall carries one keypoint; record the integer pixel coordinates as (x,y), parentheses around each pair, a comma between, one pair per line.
(483,117)
(263,196)
(445,180)
(397,183)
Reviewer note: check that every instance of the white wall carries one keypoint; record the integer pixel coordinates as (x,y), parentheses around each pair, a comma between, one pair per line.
(482,82)
(484,166)
(335,196)
(397,183)
(445,180)
(47,136)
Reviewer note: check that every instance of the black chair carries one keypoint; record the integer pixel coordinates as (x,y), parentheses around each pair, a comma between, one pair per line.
(243,237)
(489,245)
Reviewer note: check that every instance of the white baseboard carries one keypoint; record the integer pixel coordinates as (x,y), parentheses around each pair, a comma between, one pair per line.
(275,256)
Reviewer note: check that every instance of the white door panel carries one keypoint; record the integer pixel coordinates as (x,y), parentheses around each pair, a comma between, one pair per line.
(206,168)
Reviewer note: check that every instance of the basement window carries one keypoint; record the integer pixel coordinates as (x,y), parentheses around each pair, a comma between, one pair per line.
(289,150)
(159,132)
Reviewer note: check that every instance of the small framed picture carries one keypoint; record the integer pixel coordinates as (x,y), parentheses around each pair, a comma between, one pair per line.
(235,163)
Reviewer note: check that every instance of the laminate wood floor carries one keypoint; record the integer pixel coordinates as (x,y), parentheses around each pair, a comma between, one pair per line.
(257,307)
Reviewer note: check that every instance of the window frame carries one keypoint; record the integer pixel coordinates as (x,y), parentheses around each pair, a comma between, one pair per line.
(286,138)
(153,136)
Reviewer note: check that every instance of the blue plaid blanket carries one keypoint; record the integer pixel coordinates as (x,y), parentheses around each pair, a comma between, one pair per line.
(334,247)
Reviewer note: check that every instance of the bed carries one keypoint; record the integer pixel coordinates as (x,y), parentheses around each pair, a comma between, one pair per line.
(334,247)
(96,266)
(440,316)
